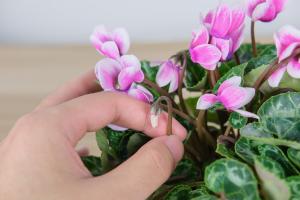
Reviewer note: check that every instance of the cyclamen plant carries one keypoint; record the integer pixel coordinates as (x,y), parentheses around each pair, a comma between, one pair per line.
(243,116)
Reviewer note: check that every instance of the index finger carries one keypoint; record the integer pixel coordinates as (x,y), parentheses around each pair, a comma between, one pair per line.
(84,84)
(94,111)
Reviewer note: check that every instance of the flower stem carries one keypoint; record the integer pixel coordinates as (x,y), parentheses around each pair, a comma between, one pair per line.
(273,67)
(181,99)
(254,49)
(203,134)
(212,78)
(181,114)
(157,105)
(237,58)
(161,91)
(228,129)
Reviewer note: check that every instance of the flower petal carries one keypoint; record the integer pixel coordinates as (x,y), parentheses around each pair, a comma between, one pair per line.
(237,38)
(206,101)
(223,45)
(276,77)
(233,81)
(200,36)
(286,40)
(264,12)
(107,71)
(141,93)
(247,114)
(251,5)
(221,22)
(235,97)
(206,55)
(238,19)
(110,50)
(121,37)
(130,61)
(101,33)
(174,82)
(116,127)
(279,4)
(293,68)
(208,18)
(168,73)
(128,76)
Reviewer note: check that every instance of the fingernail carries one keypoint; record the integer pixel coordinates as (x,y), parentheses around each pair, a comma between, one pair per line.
(175,146)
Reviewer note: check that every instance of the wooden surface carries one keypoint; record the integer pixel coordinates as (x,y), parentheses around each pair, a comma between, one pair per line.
(27,74)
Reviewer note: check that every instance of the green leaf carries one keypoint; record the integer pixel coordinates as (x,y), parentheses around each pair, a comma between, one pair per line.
(294,156)
(273,187)
(191,103)
(279,121)
(237,121)
(224,151)
(245,51)
(149,71)
(235,71)
(113,146)
(247,149)
(270,165)
(135,142)
(102,142)
(232,178)
(294,184)
(186,168)
(179,192)
(276,154)
(195,76)
(93,164)
(196,195)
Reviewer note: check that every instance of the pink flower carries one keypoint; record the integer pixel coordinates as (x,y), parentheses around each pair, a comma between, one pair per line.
(231,95)
(168,73)
(219,37)
(110,44)
(265,10)
(287,39)
(122,75)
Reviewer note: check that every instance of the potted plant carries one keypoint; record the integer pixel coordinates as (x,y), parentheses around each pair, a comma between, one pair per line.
(239,102)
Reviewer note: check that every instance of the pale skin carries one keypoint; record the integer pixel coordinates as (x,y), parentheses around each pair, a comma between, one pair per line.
(38,157)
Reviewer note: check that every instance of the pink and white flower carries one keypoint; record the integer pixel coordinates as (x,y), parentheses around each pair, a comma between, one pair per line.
(122,75)
(110,44)
(287,39)
(219,37)
(231,95)
(264,10)
(168,74)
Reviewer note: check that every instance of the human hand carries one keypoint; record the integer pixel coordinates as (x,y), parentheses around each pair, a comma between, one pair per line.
(39,160)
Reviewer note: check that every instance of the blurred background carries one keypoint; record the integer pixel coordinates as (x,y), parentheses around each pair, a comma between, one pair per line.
(45,43)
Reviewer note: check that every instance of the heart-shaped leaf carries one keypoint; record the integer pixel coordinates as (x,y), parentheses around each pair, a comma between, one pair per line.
(275,153)
(149,70)
(224,151)
(247,149)
(195,76)
(294,156)
(273,187)
(237,121)
(235,71)
(279,121)
(232,178)
(186,169)
(93,164)
(179,192)
(294,184)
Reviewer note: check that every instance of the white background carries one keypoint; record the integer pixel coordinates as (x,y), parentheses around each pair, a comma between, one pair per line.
(72,21)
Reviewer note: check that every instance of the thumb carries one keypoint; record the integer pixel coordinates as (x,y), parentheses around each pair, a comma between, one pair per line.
(144,172)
